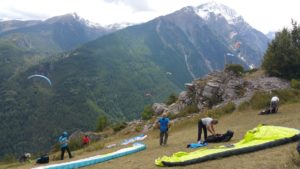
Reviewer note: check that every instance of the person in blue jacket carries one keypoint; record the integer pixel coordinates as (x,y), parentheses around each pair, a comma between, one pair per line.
(164,125)
(64,145)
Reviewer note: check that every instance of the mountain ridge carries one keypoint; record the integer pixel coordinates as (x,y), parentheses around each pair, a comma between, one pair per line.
(117,74)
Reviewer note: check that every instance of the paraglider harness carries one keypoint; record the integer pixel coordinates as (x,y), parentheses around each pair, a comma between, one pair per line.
(220,137)
(43,159)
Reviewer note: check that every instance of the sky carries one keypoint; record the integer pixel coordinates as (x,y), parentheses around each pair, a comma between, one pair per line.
(263,15)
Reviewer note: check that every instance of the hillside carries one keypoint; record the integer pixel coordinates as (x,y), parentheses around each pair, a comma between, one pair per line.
(116,75)
(184,132)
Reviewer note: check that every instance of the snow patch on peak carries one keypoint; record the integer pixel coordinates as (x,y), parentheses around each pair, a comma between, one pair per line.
(74,15)
(205,10)
(85,21)
(118,26)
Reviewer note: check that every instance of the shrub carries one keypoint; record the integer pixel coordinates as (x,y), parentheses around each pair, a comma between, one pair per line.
(138,128)
(119,126)
(95,146)
(217,112)
(187,110)
(295,84)
(287,95)
(282,56)
(75,144)
(260,100)
(147,113)
(172,99)
(251,70)
(190,109)
(236,68)
(8,158)
(244,105)
(102,123)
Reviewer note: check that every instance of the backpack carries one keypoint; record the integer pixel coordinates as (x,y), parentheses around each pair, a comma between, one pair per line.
(43,159)
(220,137)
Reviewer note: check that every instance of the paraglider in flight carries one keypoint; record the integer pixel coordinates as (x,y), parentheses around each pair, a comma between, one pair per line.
(229,54)
(41,76)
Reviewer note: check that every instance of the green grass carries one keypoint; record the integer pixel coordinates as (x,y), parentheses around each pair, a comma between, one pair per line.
(184,132)
(261,99)
(220,111)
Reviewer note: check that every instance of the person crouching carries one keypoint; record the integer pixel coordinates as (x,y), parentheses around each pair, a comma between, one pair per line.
(25,157)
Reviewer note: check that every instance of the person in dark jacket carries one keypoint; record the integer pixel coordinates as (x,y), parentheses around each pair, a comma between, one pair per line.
(164,125)
(64,145)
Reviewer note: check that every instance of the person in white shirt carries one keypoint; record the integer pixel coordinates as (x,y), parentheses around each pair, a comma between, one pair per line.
(274,104)
(206,124)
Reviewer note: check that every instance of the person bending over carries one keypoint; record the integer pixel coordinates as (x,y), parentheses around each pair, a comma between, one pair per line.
(206,124)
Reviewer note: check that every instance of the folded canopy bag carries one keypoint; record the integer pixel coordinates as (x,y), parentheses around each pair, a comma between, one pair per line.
(259,138)
(220,137)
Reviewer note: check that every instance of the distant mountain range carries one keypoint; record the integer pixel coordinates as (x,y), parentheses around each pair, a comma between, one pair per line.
(57,34)
(109,71)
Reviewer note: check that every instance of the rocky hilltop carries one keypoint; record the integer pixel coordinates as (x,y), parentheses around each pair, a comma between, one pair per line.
(219,88)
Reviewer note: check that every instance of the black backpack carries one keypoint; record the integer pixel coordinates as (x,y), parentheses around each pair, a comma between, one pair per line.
(220,138)
(43,159)
(298,147)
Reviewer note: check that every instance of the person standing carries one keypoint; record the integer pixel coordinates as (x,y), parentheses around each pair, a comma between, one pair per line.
(64,145)
(206,124)
(164,125)
(274,104)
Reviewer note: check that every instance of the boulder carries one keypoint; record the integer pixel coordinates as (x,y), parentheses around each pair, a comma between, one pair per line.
(159,108)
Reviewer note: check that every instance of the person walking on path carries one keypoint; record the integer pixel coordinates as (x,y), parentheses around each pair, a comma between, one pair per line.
(206,124)
(64,145)
(164,125)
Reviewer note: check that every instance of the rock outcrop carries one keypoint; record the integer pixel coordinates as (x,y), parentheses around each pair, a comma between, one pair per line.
(220,88)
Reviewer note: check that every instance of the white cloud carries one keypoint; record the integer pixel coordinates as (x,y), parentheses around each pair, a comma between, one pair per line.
(263,15)
(137,5)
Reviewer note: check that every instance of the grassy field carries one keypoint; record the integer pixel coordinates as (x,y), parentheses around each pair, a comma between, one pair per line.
(185,132)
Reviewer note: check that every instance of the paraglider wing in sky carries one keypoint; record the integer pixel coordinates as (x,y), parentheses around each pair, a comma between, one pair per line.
(40,76)
(229,54)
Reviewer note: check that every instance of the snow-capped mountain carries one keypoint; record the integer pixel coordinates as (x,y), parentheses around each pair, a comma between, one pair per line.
(118,26)
(206,10)
(73,17)
(59,33)
(226,22)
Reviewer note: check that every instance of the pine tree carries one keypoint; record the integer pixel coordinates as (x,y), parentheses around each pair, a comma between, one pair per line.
(282,58)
